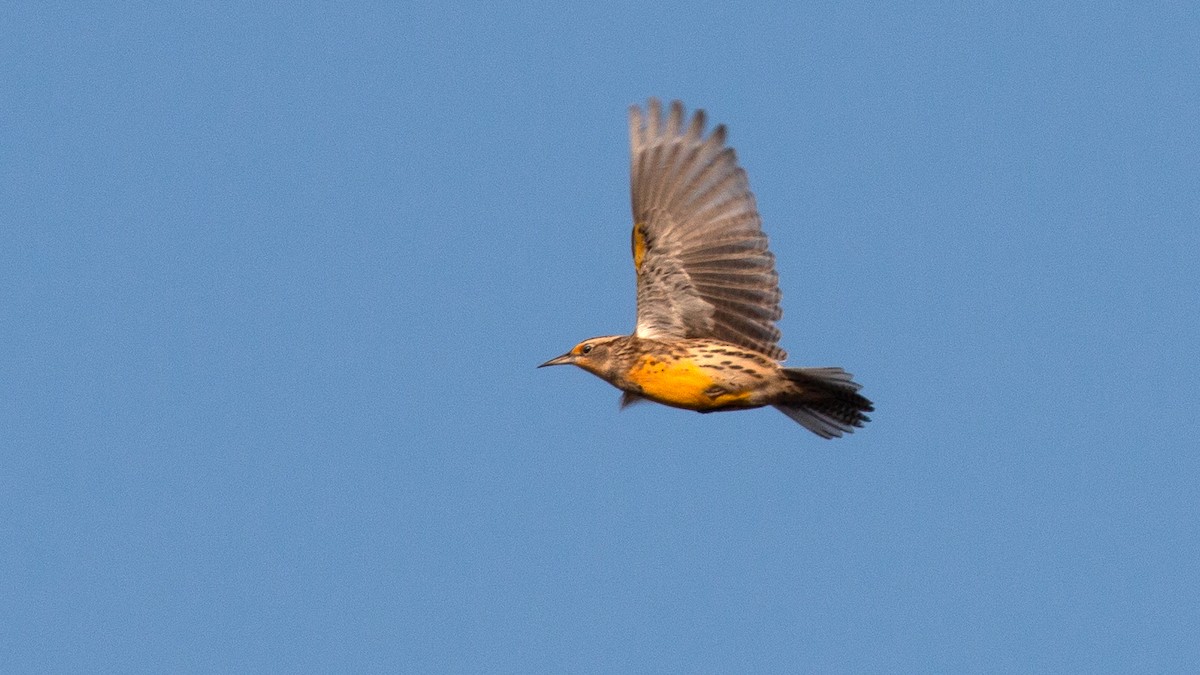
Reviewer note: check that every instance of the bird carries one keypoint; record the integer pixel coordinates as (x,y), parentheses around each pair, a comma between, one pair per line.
(707,291)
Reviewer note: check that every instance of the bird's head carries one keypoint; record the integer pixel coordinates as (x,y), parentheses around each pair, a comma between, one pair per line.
(595,355)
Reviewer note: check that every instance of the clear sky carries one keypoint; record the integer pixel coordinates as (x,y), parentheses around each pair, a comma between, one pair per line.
(275,279)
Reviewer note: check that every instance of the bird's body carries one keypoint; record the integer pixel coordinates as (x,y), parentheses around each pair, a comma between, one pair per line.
(708,294)
(697,374)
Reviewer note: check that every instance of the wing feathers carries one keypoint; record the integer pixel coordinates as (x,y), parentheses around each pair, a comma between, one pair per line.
(706,270)
(749,282)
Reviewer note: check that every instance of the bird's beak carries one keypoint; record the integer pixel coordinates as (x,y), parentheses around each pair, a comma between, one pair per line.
(564,360)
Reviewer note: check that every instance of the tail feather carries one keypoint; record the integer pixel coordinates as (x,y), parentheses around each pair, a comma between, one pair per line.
(825,400)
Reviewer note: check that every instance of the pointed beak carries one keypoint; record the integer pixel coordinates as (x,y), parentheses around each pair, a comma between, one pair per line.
(564,360)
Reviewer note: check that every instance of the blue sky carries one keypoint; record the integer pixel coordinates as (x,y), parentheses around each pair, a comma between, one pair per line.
(276,279)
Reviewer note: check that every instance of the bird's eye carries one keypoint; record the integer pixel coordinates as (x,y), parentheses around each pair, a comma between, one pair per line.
(586,349)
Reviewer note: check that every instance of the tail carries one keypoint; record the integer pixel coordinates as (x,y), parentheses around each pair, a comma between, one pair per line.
(825,400)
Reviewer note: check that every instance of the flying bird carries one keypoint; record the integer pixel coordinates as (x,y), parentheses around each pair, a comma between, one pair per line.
(707,291)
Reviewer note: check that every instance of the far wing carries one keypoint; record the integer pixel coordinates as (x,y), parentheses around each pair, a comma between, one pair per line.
(703,268)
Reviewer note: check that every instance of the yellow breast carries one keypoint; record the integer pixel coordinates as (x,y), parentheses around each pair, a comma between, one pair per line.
(682,383)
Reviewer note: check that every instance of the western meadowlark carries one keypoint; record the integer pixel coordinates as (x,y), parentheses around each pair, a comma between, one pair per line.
(707,290)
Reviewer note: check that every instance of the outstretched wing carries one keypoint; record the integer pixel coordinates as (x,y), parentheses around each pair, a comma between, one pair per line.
(703,268)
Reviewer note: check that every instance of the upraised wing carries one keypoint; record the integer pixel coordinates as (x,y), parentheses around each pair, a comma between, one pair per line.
(703,268)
